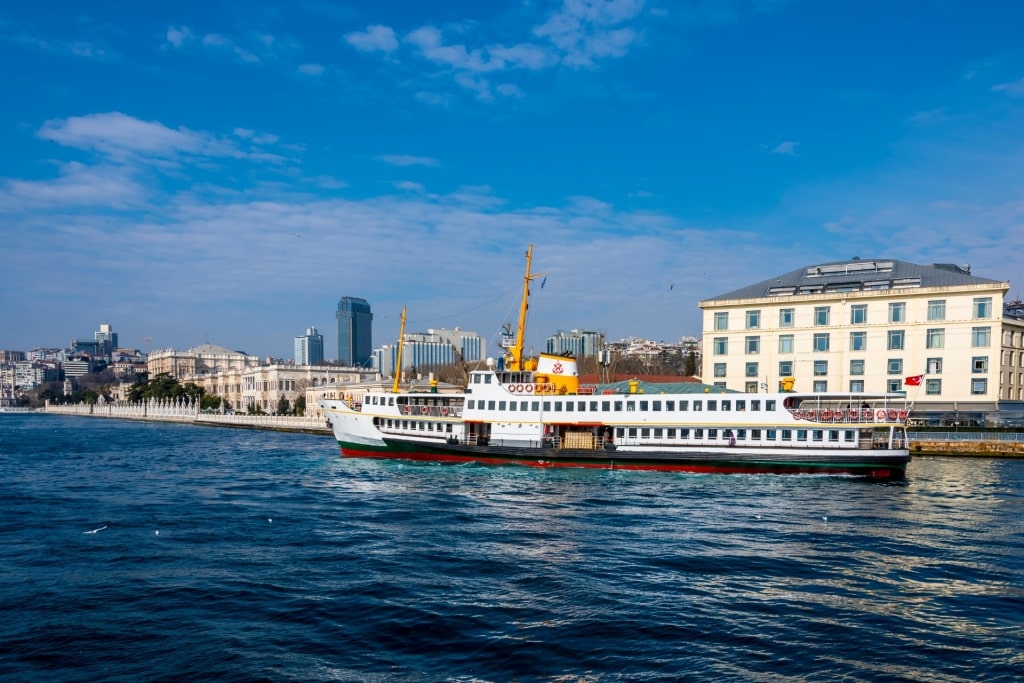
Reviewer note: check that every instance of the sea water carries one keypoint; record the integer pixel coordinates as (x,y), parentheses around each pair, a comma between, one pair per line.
(160,552)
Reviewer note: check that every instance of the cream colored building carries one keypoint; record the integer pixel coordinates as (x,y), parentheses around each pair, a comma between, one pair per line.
(205,359)
(264,386)
(868,325)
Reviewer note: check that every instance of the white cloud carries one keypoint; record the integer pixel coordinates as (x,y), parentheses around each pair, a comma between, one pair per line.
(77,186)
(408,160)
(410,186)
(1014,89)
(123,138)
(179,36)
(375,38)
(586,30)
(788,148)
(311,69)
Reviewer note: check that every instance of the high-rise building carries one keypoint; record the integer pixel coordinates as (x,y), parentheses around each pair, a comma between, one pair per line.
(355,338)
(431,349)
(309,348)
(106,339)
(578,343)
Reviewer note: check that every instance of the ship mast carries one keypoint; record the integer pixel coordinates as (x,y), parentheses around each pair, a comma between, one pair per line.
(515,355)
(398,363)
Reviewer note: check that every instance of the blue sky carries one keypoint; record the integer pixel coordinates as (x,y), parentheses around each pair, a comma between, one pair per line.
(225,171)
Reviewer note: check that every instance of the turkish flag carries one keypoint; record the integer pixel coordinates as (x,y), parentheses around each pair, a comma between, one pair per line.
(914,381)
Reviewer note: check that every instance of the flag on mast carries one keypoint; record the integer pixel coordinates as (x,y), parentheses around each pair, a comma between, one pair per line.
(914,381)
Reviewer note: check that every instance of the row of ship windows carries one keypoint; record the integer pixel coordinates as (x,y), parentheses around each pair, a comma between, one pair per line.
(801,435)
(627,406)
(981,309)
(821,342)
(759,435)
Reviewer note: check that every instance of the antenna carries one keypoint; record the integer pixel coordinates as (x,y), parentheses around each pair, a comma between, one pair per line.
(147,340)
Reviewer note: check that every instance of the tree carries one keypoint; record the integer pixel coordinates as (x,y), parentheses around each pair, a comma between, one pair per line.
(690,364)
(300,405)
(283,407)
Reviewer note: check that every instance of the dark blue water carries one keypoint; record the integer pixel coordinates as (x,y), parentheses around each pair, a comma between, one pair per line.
(243,555)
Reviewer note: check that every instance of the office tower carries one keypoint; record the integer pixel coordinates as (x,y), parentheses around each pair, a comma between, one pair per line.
(309,348)
(355,339)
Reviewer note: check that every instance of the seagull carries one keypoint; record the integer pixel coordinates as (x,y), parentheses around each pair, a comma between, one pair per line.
(95,531)
(297,235)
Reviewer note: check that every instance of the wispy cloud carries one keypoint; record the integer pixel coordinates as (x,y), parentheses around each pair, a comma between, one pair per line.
(78,185)
(408,160)
(1014,88)
(587,30)
(122,137)
(579,34)
(787,148)
(375,38)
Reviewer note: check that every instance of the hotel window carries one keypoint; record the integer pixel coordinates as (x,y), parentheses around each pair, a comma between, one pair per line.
(785,368)
(721,346)
(856,385)
(936,338)
(895,340)
(821,316)
(857,367)
(751,370)
(721,321)
(753,345)
(934,366)
(755,405)
(719,369)
(820,385)
(618,406)
(894,386)
(821,341)
(786,317)
(753,320)
(982,307)
(785,343)
(979,385)
(712,405)
(858,314)
(937,310)
(895,366)
(979,364)
(820,368)
(980,336)
(933,387)
(726,405)
(897,312)
(858,341)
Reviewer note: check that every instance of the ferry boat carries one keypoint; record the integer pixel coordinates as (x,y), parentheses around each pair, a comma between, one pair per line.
(535,412)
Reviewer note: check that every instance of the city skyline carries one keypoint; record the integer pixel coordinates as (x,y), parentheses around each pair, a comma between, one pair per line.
(212,172)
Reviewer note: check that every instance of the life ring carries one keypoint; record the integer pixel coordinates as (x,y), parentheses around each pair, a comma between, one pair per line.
(528,388)
(880,414)
(444,410)
(893,415)
(405,410)
(513,388)
(826,415)
(425,410)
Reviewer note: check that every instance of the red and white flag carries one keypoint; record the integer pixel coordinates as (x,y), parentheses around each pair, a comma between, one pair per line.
(914,381)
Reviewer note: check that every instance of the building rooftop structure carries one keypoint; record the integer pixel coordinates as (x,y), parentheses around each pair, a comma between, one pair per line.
(857,275)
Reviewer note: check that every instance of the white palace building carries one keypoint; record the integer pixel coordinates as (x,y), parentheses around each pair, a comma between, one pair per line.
(868,325)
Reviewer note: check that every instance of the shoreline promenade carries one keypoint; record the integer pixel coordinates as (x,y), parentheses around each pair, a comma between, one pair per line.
(188,413)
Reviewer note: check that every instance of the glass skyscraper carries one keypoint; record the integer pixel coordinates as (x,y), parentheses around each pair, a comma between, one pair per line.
(355,338)
(309,348)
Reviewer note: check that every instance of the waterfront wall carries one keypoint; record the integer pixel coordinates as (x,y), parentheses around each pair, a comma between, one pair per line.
(188,412)
(982,444)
